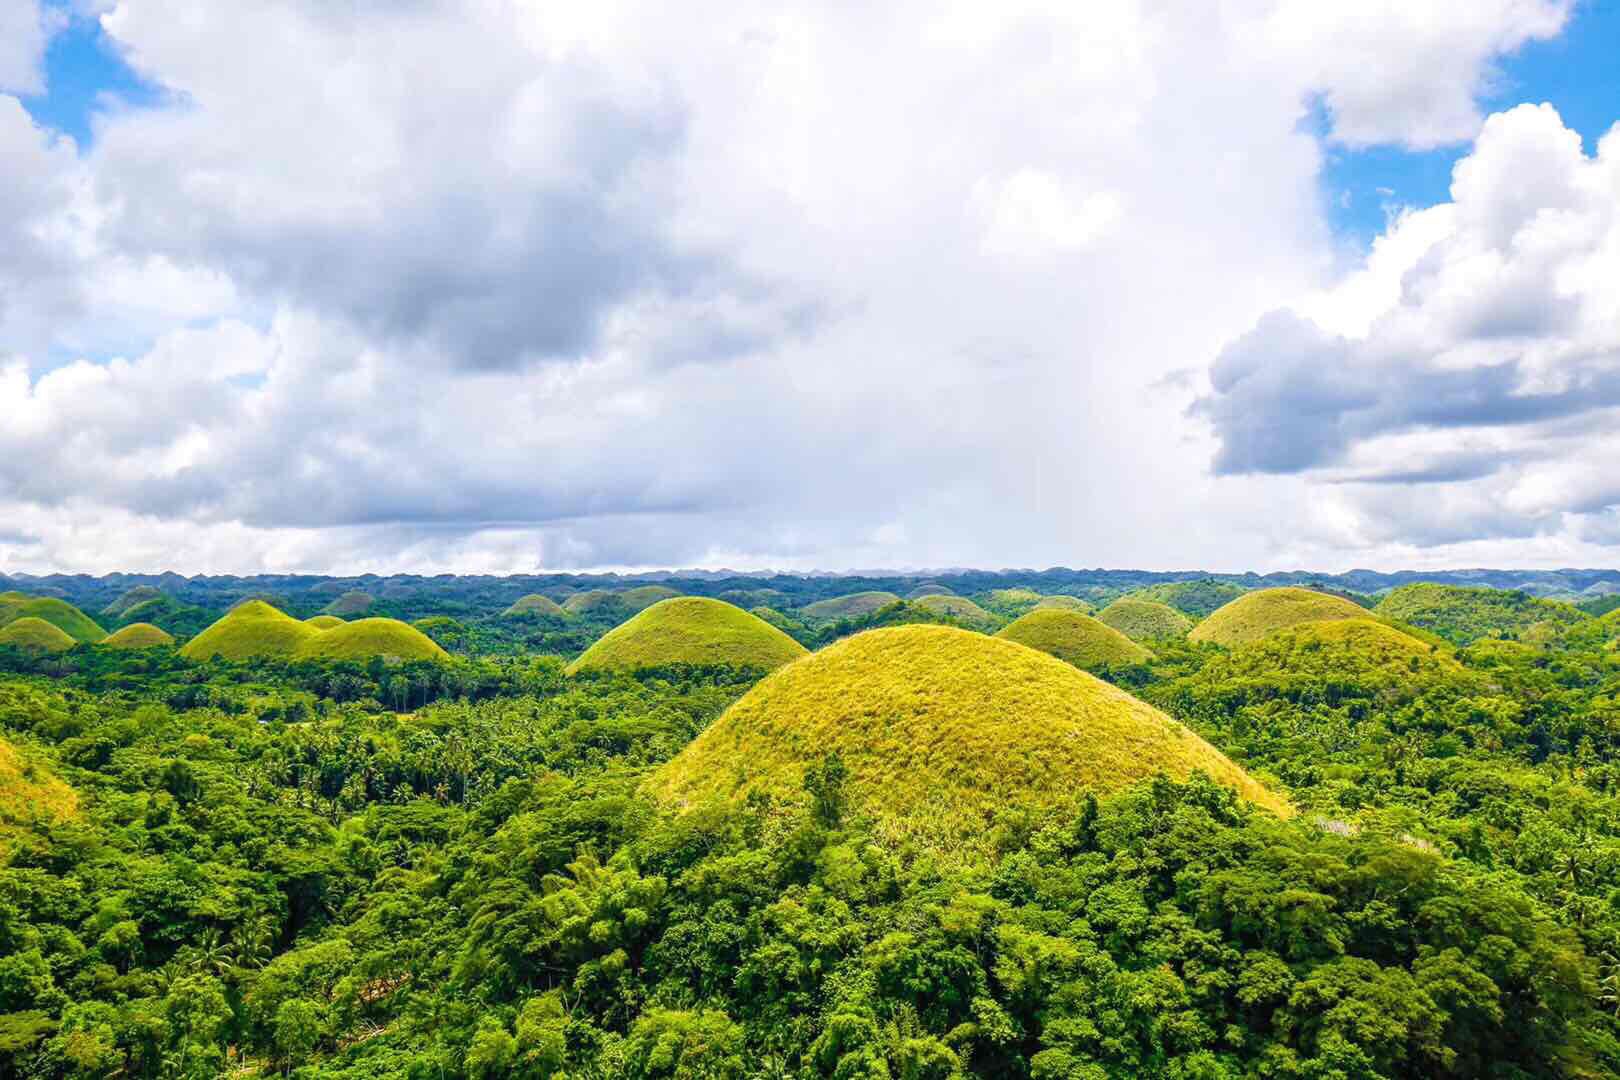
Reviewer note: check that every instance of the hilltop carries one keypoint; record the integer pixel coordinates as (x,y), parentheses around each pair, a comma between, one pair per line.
(929,589)
(324,622)
(939,729)
(850,606)
(1194,599)
(956,607)
(1062,603)
(1074,637)
(35,635)
(350,603)
(1143,619)
(252,628)
(535,604)
(138,636)
(1463,615)
(1339,652)
(363,639)
(130,598)
(1254,615)
(690,630)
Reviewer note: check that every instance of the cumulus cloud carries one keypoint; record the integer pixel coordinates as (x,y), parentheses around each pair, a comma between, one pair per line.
(22,47)
(1491,370)
(484,286)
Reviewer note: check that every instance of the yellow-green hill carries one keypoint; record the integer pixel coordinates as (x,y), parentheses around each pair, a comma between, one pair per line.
(363,639)
(1340,650)
(939,729)
(957,607)
(1463,614)
(643,597)
(350,603)
(141,635)
(848,607)
(1062,603)
(131,597)
(250,629)
(323,622)
(584,603)
(1075,637)
(535,604)
(929,589)
(1194,599)
(1014,596)
(690,630)
(1141,620)
(1254,615)
(29,792)
(35,635)
(59,613)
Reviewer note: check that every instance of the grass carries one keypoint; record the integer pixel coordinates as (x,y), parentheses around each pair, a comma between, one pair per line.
(690,630)
(1254,615)
(1195,599)
(323,622)
(929,589)
(1463,614)
(141,635)
(29,792)
(848,607)
(940,729)
(59,613)
(252,628)
(643,597)
(1343,649)
(1141,620)
(1015,596)
(363,639)
(35,635)
(1062,603)
(1074,637)
(535,604)
(350,603)
(957,607)
(132,597)
(583,603)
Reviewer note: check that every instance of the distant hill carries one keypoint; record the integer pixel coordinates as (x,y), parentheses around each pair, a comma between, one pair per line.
(848,607)
(129,598)
(1194,599)
(535,604)
(1075,637)
(253,628)
(928,589)
(138,636)
(690,630)
(1254,615)
(349,604)
(957,607)
(1463,615)
(35,635)
(59,613)
(363,639)
(1142,620)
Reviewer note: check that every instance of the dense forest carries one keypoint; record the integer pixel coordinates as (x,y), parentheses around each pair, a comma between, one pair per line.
(457,868)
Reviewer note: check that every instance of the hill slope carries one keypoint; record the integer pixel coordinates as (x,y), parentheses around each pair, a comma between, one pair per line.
(848,607)
(939,728)
(1194,599)
(324,622)
(1254,615)
(1143,619)
(363,639)
(957,607)
(690,630)
(141,635)
(59,613)
(252,628)
(1463,615)
(643,597)
(132,597)
(1074,637)
(535,604)
(1062,603)
(350,603)
(1341,650)
(35,635)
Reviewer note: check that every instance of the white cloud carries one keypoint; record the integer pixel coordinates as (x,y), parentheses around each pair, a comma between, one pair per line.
(22,47)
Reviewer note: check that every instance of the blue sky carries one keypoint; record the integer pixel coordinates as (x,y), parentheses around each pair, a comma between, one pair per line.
(81,67)
(1578,72)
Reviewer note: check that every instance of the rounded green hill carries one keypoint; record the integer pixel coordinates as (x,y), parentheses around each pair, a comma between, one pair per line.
(535,604)
(1194,599)
(1254,615)
(929,589)
(690,630)
(957,607)
(59,613)
(1340,650)
(643,597)
(1074,637)
(35,635)
(141,635)
(848,607)
(1464,614)
(323,622)
(939,729)
(1141,620)
(592,600)
(131,597)
(350,603)
(252,628)
(363,639)
(1062,603)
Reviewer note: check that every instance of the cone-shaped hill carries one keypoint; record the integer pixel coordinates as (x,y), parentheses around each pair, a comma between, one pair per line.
(938,729)
(35,635)
(363,639)
(643,597)
(957,607)
(848,607)
(929,589)
(1254,615)
(59,613)
(131,597)
(1062,603)
(251,628)
(535,604)
(350,603)
(1338,650)
(141,635)
(1463,614)
(592,600)
(1140,620)
(1074,637)
(690,630)
(323,622)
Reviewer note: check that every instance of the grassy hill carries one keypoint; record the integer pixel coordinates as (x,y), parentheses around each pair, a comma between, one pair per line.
(363,639)
(35,635)
(1062,603)
(929,589)
(324,622)
(138,636)
(592,600)
(1075,637)
(690,630)
(1254,615)
(129,598)
(957,607)
(939,729)
(643,597)
(59,613)
(1340,652)
(848,607)
(252,628)
(1141,620)
(535,604)
(1194,599)
(1463,615)
(350,603)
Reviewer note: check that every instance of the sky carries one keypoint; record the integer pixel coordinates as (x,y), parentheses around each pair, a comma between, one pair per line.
(499,286)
